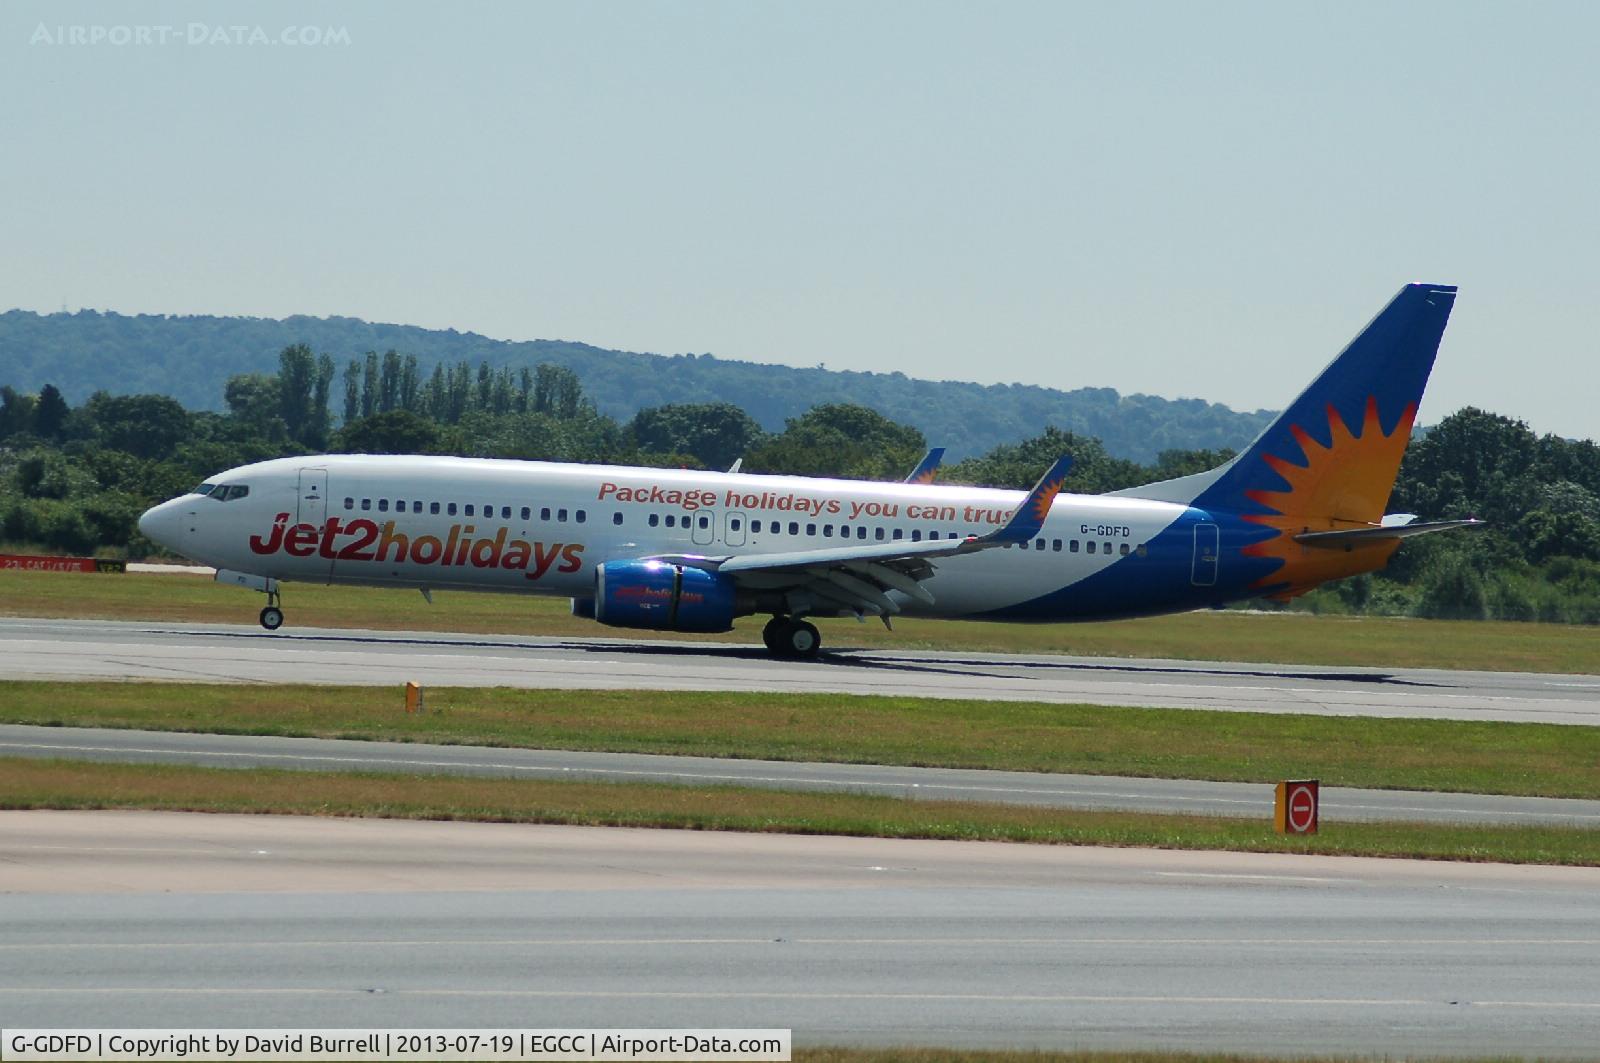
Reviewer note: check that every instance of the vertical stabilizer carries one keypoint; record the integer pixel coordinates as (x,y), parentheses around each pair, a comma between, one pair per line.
(1330,459)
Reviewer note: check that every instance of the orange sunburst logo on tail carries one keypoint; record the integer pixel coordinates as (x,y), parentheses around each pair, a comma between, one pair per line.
(1041,505)
(1345,484)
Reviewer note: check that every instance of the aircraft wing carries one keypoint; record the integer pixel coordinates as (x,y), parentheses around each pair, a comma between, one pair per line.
(858,578)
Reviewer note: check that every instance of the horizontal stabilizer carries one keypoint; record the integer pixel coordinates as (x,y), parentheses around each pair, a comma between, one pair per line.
(1356,536)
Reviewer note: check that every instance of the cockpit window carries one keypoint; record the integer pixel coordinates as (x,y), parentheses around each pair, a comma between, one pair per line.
(226,492)
(205,489)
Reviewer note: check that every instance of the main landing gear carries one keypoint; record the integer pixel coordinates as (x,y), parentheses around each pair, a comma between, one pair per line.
(272,615)
(788,637)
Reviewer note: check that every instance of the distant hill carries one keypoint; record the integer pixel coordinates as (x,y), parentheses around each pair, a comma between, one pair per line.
(191,358)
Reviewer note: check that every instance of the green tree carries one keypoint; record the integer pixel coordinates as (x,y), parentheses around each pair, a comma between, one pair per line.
(147,426)
(715,433)
(1019,465)
(352,391)
(840,440)
(255,400)
(16,412)
(50,413)
(393,432)
(371,387)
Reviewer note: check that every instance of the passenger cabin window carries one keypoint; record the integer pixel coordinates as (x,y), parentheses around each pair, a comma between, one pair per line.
(526,512)
(505,512)
(794,527)
(544,513)
(1038,544)
(705,522)
(1123,550)
(861,532)
(1088,547)
(383,505)
(416,507)
(672,521)
(582,516)
(654,520)
(561,515)
(733,524)
(1072,547)
(433,507)
(616,518)
(877,533)
(467,509)
(349,503)
(450,508)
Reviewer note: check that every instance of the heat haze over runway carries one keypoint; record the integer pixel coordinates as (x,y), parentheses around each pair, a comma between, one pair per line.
(93,649)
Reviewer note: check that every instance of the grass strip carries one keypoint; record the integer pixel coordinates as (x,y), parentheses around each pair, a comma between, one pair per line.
(65,784)
(1208,636)
(1544,760)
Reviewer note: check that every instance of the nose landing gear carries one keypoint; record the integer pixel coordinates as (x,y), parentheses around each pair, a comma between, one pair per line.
(272,615)
(788,637)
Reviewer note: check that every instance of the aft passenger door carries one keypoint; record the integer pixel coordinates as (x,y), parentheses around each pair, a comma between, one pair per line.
(1206,547)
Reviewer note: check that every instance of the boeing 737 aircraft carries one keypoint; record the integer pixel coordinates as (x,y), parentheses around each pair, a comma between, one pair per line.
(681,550)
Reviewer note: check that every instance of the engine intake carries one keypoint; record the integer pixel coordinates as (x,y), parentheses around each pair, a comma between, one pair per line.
(663,597)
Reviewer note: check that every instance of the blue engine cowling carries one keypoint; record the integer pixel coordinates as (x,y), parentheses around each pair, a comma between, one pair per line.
(662,597)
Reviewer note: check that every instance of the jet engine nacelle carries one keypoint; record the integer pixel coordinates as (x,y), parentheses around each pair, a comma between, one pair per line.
(662,597)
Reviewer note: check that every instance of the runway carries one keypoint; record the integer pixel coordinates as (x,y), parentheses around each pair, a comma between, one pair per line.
(73,649)
(164,919)
(933,784)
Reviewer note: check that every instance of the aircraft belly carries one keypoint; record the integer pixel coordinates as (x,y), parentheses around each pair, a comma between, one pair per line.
(981,583)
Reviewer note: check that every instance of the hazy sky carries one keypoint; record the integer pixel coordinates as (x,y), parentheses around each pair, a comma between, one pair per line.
(1185,199)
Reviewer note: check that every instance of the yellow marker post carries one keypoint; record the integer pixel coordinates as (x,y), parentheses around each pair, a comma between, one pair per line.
(413,696)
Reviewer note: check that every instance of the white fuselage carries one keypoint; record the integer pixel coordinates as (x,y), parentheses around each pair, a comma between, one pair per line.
(542,528)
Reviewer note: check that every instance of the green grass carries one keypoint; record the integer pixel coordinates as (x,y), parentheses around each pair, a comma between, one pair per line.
(1283,638)
(1502,758)
(29,784)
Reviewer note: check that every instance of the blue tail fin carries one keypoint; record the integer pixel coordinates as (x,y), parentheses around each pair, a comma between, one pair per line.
(1334,453)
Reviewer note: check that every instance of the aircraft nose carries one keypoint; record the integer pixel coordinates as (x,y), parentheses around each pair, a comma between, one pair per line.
(160,524)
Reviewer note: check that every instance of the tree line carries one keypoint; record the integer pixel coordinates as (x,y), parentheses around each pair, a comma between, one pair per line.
(75,479)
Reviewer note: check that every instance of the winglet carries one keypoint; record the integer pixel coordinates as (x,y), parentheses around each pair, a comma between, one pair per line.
(927,468)
(1029,517)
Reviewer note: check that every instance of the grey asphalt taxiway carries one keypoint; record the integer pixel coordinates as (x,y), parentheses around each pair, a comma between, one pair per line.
(79,649)
(171,920)
(933,784)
